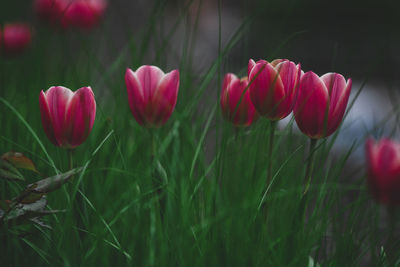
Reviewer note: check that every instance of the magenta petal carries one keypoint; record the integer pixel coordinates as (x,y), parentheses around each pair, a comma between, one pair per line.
(57,100)
(339,93)
(164,98)
(135,96)
(311,108)
(149,77)
(250,66)
(224,101)
(80,116)
(46,119)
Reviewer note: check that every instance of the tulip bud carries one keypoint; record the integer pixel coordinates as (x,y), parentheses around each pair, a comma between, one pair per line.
(383,158)
(273,87)
(235,101)
(15,38)
(152,94)
(67,116)
(321,103)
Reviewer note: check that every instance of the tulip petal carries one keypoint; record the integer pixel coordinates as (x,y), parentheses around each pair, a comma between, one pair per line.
(339,93)
(46,119)
(58,98)
(79,119)
(149,77)
(311,108)
(250,66)
(290,75)
(226,85)
(135,96)
(164,98)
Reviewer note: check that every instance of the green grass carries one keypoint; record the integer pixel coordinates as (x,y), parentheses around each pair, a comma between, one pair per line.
(199,201)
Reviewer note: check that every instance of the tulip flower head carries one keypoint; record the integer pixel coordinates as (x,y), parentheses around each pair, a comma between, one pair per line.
(235,101)
(273,87)
(152,94)
(383,158)
(321,103)
(67,116)
(15,38)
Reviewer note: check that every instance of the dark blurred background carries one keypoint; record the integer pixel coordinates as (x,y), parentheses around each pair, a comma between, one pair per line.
(356,38)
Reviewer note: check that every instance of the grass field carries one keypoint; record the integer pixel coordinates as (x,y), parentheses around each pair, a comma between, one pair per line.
(190,193)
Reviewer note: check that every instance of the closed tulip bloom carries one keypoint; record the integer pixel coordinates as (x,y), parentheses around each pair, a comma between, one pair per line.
(273,87)
(383,158)
(16,37)
(67,116)
(235,101)
(321,103)
(152,94)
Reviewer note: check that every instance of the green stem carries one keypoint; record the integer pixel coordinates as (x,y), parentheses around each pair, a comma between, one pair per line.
(310,165)
(270,149)
(156,181)
(390,247)
(78,205)
(269,168)
(70,159)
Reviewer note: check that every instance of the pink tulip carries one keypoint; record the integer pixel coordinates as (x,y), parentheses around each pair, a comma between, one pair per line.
(273,87)
(383,159)
(67,116)
(321,103)
(235,101)
(152,94)
(83,14)
(15,38)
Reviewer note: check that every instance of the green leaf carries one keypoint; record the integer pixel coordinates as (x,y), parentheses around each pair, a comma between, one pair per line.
(34,191)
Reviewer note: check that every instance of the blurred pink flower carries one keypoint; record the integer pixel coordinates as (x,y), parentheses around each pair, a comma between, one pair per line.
(15,37)
(383,158)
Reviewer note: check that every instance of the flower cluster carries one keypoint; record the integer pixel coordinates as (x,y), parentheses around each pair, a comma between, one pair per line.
(276,89)
(71,13)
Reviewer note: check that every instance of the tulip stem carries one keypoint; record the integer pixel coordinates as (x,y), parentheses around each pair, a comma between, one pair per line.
(269,170)
(156,181)
(78,204)
(310,165)
(70,159)
(270,149)
(391,247)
